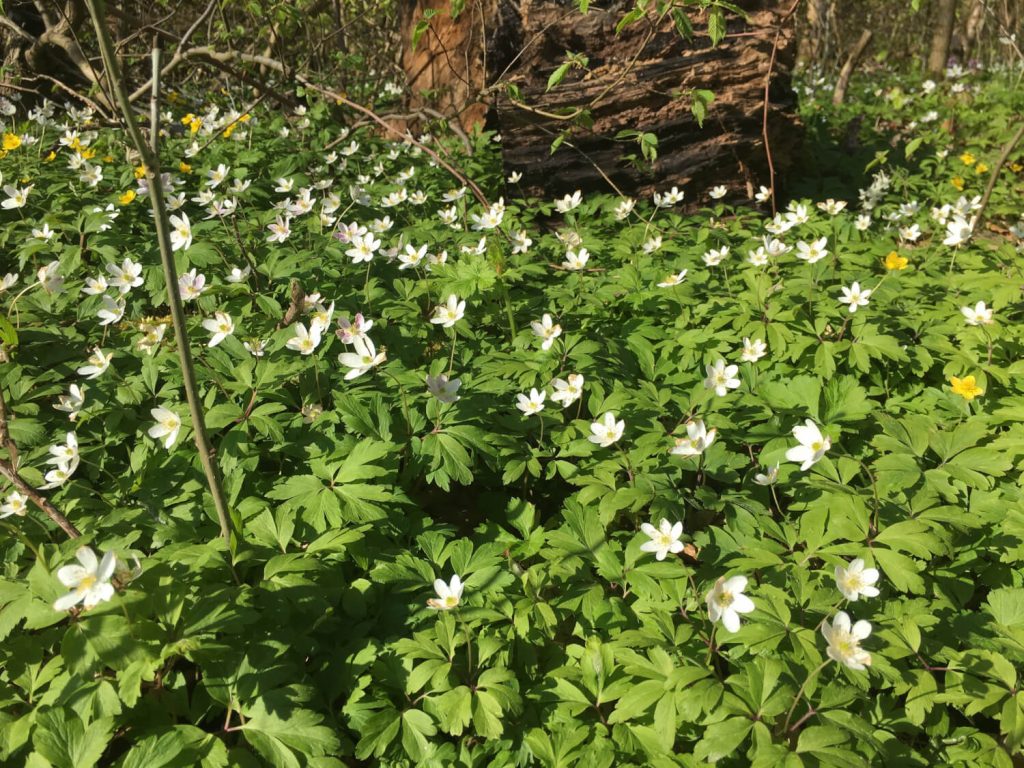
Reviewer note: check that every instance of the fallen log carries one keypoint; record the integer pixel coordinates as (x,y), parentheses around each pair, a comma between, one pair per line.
(641,79)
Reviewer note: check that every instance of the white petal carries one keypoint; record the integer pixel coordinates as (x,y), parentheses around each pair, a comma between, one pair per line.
(87,558)
(731,620)
(106,569)
(67,601)
(70,575)
(742,604)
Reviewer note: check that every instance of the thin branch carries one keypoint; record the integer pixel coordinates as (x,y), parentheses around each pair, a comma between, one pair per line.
(175,59)
(151,161)
(340,99)
(996,170)
(7,22)
(74,94)
(8,468)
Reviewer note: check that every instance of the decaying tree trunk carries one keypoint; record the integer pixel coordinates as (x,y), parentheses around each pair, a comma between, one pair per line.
(640,79)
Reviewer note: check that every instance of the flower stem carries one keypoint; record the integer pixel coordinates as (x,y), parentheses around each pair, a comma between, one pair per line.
(800,693)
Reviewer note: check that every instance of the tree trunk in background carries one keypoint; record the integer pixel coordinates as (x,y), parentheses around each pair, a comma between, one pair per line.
(974,19)
(814,37)
(942,33)
(523,41)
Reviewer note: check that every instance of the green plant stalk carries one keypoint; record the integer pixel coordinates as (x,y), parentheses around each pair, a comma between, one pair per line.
(160,217)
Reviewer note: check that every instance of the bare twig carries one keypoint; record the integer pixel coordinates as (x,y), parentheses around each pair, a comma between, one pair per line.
(8,468)
(100,110)
(341,99)
(996,170)
(151,160)
(142,89)
(6,21)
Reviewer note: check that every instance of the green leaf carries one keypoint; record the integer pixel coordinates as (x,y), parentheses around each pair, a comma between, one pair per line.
(279,734)
(558,75)
(716,25)
(723,739)
(63,739)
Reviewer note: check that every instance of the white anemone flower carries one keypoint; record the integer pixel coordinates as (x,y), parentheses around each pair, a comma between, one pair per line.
(673,280)
(698,439)
(363,359)
(663,540)
(305,341)
(844,641)
(855,580)
(546,329)
(576,260)
(181,233)
(221,326)
(448,595)
(812,252)
(568,391)
(979,314)
(813,445)
(532,403)
(111,310)
(569,202)
(722,377)
(607,431)
(855,296)
(89,582)
(14,504)
(768,477)
(753,350)
(96,365)
(167,426)
(726,602)
(449,313)
(72,402)
(444,389)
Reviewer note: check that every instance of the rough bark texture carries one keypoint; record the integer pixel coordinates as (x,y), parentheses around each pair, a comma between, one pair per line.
(942,34)
(527,39)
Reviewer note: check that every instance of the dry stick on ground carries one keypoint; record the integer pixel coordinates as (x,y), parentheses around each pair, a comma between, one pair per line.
(1003,157)
(8,468)
(151,160)
(851,64)
(767,102)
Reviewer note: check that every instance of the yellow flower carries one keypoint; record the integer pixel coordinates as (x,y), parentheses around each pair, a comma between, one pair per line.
(87,154)
(966,387)
(967,158)
(75,144)
(1016,167)
(184,167)
(108,158)
(957,182)
(895,261)
(245,118)
(50,157)
(196,124)
(11,141)
(127,197)
(229,130)
(980,168)
(140,171)
(188,119)
(3,154)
